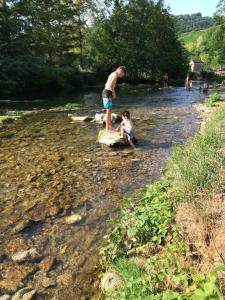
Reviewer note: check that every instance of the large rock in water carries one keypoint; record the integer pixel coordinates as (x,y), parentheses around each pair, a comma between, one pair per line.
(111,138)
(80,118)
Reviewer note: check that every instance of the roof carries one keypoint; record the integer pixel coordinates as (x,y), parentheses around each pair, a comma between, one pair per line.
(197,61)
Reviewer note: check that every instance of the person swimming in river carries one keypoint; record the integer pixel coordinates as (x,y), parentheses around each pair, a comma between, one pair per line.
(205,88)
(109,94)
(126,127)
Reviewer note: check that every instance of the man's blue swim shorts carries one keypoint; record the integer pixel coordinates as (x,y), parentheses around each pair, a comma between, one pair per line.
(107,99)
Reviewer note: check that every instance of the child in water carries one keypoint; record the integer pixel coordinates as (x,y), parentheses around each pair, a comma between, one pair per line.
(126,127)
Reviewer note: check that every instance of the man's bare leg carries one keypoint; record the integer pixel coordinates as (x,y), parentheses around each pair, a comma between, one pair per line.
(108,121)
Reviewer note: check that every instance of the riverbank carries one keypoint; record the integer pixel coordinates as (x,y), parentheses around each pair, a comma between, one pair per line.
(169,240)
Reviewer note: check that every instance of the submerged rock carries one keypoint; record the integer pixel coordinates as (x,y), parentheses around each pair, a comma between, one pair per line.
(46,264)
(24,294)
(80,118)
(54,210)
(22,225)
(48,282)
(5,297)
(110,281)
(66,278)
(22,256)
(73,219)
(101,117)
(112,139)
(14,276)
(2,255)
(109,138)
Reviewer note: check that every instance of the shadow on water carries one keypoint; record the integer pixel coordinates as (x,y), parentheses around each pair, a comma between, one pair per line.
(51,168)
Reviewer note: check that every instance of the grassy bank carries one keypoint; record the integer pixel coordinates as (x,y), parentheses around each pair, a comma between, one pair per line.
(169,240)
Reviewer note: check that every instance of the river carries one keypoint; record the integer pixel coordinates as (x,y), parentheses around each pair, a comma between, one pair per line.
(51,168)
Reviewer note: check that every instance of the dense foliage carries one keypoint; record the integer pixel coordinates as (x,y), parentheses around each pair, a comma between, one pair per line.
(193,22)
(41,45)
(212,48)
(140,35)
(45,46)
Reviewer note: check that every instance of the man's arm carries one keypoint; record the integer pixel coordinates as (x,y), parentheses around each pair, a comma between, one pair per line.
(119,126)
(114,94)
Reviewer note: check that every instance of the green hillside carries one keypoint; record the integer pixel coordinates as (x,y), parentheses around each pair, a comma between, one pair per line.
(191,40)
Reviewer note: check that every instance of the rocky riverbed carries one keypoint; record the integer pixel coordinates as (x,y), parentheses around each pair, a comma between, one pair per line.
(59,188)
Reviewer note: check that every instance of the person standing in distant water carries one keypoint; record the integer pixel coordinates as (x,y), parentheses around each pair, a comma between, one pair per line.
(165,80)
(109,94)
(187,83)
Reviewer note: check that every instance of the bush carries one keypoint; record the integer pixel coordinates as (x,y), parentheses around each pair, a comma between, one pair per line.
(212,99)
(145,219)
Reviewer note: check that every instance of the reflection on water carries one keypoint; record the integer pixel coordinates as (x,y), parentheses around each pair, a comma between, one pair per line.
(50,168)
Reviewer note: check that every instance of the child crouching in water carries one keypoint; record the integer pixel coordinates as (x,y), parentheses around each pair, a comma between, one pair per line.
(126,127)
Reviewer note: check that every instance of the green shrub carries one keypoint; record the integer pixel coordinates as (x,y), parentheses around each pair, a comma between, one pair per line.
(145,219)
(31,76)
(212,99)
(164,277)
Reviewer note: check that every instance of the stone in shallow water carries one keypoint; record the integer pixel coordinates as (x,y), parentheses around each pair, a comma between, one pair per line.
(110,281)
(2,255)
(73,219)
(80,118)
(101,117)
(24,294)
(22,225)
(46,264)
(31,178)
(66,278)
(108,138)
(111,138)
(48,282)
(25,255)
(54,210)
(5,297)
(17,244)
(14,276)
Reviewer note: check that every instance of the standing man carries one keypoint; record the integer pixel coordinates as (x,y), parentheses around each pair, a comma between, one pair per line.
(109,94)
(165,80)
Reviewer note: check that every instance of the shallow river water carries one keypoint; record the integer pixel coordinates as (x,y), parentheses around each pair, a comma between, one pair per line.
(51,168)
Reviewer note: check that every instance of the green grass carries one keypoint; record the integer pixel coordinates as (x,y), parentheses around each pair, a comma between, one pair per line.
(212,99)
(197,166)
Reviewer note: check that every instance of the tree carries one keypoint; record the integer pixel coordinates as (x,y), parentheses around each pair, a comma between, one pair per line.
(212,50)
(139,34)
